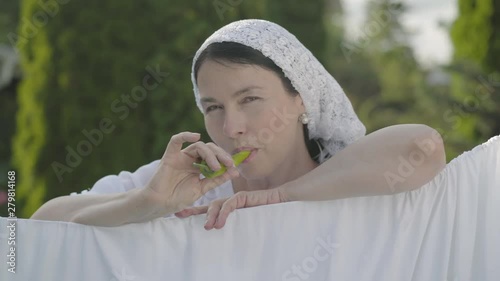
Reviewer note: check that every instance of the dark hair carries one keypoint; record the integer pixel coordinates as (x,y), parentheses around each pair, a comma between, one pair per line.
(238,53)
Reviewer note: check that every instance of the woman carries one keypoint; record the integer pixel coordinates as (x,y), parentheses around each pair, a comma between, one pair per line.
(260,89)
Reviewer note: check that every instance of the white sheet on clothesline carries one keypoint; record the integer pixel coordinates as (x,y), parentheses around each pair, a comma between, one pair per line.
(448,230)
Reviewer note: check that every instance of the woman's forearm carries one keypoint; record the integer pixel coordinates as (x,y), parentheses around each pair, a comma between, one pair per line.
(100,209)
(388,161)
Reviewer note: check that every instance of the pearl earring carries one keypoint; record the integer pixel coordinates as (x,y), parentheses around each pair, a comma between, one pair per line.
(304,118)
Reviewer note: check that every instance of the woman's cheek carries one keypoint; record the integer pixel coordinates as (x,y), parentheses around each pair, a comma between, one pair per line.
(213,127)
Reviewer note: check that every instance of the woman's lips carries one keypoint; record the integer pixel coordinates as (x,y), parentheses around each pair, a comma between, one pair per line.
(251,156)
(239,149)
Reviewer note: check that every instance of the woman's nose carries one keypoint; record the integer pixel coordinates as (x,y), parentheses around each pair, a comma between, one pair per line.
(234,124)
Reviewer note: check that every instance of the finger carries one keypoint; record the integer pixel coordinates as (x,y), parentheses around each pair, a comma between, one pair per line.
(224,157)
(212,214)
(176,142)
(227,208)
(182,214)
(192,211)
(209,184)
(202,151)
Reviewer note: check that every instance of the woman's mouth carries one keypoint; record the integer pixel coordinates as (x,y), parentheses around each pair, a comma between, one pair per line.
(251,156)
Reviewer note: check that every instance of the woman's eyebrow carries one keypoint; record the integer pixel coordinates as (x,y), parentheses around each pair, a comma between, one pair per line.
(234,95)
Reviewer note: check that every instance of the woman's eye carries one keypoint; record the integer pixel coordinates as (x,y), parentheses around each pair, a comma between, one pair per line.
(249,99)
(210,108)
(245,100)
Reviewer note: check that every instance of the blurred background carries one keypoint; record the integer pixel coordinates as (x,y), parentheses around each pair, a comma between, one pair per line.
(91,88)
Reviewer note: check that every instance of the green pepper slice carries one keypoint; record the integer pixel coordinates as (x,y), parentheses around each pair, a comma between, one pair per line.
(208,173)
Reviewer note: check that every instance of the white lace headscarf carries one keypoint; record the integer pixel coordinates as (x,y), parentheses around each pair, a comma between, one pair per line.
(332,120)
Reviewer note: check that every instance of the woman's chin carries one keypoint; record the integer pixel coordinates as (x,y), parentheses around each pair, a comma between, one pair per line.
(253,172)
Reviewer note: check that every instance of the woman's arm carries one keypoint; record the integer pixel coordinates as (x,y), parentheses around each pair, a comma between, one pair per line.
(101,209)
(390,160)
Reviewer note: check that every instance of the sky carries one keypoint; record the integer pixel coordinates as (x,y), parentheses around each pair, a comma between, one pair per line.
(431,42)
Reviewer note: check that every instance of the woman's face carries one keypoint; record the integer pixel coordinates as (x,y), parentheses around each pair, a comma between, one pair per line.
(248,106)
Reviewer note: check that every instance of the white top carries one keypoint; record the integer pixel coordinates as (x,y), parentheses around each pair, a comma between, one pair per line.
(126,181)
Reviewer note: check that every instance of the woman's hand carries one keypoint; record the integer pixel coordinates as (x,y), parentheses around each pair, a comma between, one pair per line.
(219,210)
(176,184)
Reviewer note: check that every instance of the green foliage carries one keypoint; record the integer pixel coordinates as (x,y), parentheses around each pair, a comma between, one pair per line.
(472,30)
(390,98)
(9,17)
(387,85)
(305,21)
(476,78)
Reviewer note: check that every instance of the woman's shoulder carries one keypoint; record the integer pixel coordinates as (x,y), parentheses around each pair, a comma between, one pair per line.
(124,180)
